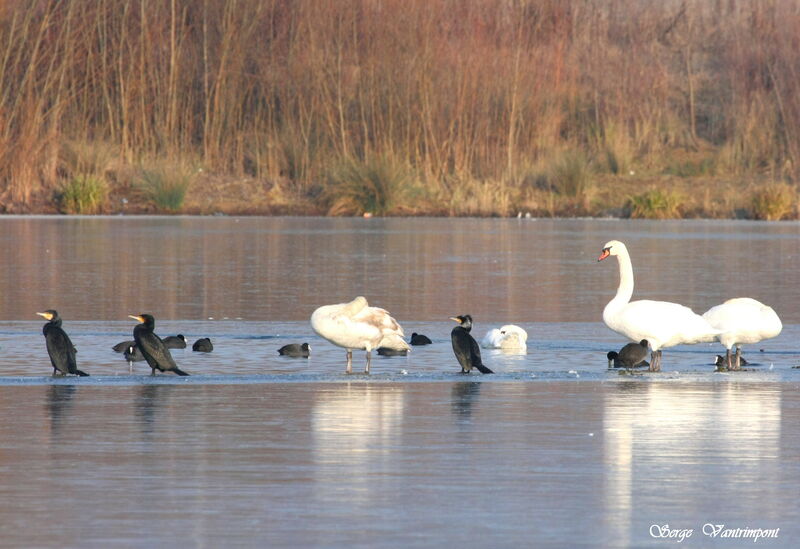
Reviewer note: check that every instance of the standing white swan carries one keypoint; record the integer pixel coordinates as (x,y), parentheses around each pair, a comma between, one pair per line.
(356,325)
(742,320)
(661,323)
(510,337)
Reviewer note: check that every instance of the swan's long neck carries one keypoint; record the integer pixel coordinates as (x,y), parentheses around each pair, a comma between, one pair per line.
(625,289)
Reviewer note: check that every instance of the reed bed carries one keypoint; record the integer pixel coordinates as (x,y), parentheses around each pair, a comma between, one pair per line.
(412,106)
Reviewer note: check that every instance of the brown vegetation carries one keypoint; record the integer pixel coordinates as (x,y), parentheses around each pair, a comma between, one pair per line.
(556,107)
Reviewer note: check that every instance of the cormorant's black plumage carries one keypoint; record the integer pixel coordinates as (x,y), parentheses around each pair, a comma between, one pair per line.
(155,352)
(465,347)
(59,345)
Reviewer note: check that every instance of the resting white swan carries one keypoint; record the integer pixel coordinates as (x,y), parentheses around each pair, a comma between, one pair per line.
(661,323)
(742,320)
(507,337)
(356,325)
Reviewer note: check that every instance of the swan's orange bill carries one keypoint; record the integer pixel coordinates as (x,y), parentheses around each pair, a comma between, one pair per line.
(604,255)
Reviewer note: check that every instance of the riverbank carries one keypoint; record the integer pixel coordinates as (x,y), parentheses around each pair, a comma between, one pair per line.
(630,196)
(487,109)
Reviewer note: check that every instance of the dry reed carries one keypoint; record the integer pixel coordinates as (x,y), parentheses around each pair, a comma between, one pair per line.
(454,91)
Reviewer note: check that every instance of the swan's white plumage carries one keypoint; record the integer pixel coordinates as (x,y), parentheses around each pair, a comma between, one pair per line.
(743,320)
(356,325)
(509,337)
(661,323)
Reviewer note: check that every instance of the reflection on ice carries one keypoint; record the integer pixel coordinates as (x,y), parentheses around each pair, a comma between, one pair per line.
(374,461)
(150,399)
(353,426)
(464,394)
(59,403)
(665,435)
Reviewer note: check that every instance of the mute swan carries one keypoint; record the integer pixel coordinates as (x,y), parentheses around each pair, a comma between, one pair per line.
(742,320)
(465,347)
(661,323)
(419,339)
(295,350)
(507,337)
(630,356)
(356,325)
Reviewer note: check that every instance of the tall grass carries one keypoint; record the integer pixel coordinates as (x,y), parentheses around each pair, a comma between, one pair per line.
(83,194)
(453,91)
(571,174)
(775,201)
(656,204)
(166,185)
(374,186)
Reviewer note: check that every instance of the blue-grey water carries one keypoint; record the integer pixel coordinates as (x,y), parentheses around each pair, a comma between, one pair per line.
(254,449)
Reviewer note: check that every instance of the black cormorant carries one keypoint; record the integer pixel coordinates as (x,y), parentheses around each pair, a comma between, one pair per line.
(632,355)
(203,345)
(296,350)
(59,345)
(465,347)
(151,346)
(175,342)
(419,339)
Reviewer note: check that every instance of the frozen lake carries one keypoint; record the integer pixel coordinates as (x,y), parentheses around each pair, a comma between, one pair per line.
(462,463)
(254,449)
